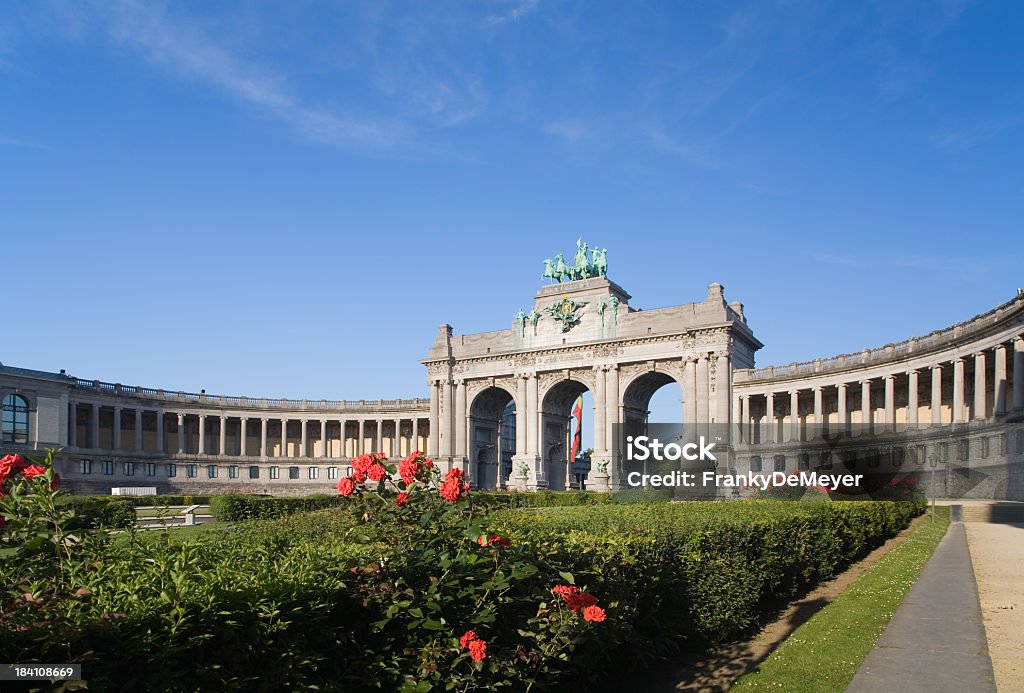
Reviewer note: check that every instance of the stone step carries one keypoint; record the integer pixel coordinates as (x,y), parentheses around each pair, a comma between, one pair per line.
(995,513)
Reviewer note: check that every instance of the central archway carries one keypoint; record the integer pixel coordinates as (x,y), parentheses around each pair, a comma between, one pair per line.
(555,418)
(492,438)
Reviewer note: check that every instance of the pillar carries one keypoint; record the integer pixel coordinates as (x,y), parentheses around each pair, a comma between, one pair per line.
(378,436)
(202,434)
(323,438)
(841,413)
(980,408)
(241,436)
(819,423)
(396,451)
(689,394)
(138,430)
(890,403)
(745,432)
(936,395)
(181,433)
(73,424)
(723,392)
(435,395)
(611,405)
(362,437)
(222,448)
(263,437)
(1018,373)
(958,391)
(999,386)
(600,417)
(94,427)
(532,407)
(461,445)
(769,417)
(304,430)
(912,399)
(160,431)
(703,416)
(794,415)
(865,406)
(116,433)
(414,444)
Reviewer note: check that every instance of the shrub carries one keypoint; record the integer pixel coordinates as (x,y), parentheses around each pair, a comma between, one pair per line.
(233,507)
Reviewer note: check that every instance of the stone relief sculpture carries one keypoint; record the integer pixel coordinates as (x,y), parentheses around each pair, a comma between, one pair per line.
(566,312)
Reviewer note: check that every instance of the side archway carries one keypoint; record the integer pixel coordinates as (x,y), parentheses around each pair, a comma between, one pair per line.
(492,437)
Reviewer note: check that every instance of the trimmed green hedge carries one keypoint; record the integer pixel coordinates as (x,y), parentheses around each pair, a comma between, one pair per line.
(91,512)
(161,500)
(234,507)
(495,500)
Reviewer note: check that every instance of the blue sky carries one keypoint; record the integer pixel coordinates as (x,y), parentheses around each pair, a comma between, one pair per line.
(287,199)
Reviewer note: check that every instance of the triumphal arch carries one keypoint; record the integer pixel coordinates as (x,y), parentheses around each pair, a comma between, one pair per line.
(581,334)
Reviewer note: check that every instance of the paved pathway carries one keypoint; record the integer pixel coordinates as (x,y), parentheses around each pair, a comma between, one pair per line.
(935,642)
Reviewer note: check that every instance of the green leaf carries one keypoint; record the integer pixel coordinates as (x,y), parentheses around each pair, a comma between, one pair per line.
(568,577)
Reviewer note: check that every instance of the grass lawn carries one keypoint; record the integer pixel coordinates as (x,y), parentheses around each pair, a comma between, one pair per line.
(824,653)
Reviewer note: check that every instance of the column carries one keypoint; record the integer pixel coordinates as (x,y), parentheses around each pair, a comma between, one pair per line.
(999,386)
(600,417)
(181,433)
(769,417)
(460,420)
(72,424)
(702,392)
(689,394)
(222,449)
(979,386)
(284,438)
(723,392)
(841,414)
(912,399)
(343,431)
(302,443)
(532,444)
(819,423)
(521,418)
(323,438)
(116,433)
(745,432)
(362,437)
(958,391)
(611,405)
(378,436)
(138,430)
(414,444)
(447,418)
(202,434)
(263,437)
(160,431)
(936,395)
(794,415)
(890,404)
(241,437)
(865,406)
(1018,373)
(396,451)
(435,395)
(94,427)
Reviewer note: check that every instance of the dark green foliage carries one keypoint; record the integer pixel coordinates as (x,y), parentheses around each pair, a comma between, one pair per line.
(234,507)
(494,500)
(91,512)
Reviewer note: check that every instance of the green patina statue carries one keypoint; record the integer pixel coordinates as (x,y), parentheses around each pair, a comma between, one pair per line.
(586,263)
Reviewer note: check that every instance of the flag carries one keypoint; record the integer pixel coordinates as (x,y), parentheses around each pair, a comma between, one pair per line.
(577,413)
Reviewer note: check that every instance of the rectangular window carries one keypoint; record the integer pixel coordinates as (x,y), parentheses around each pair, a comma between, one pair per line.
(254,472)
(332,472)
(108,467)
(1019,441)
(172,470)
(211,471)
(293,472)
(85,466)
(805,462)
(233,471)
(755,463)
(964,450)
(151,469)
(314,472)
(826,461)
(275,472)
(129,469)
(984,448)
(780,463)
(191,470)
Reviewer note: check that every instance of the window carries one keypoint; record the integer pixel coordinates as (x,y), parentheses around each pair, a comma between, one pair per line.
(172,470)
(233,471)
(898,456)
(211,471)
(275,472)
(826,461)
(805,461)
(129,469)
(293,472)
(314,472)
(755,463)
(984,448)
(780,463)
(85,466)
(15,419)
(332,472)
(191,471)
(963,450)
(151,469)
(254,472)
(108,467)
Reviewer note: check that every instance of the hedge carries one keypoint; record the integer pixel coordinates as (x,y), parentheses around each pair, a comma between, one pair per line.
(495,500)
(233,507)
(111,512)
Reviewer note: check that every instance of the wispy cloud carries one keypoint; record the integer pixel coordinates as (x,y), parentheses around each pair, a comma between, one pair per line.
(957,138)
(15,142)
(929,263)
(514,13)
(570,130)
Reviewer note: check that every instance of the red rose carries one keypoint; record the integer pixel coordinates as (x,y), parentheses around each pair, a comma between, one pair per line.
(402,499)
(362,463)
(34,470)
(55,483)
(564,591)
(477,650)
(376,472)
(593,613)
(359,477)
(408,469)
(495,540)
(428,464)
(8,464)
(346,486)
(581,600)
(467,637)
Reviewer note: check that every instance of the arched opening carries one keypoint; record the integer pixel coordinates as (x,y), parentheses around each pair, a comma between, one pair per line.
(653,398)
(492,425)
(558,432)
(14,425)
